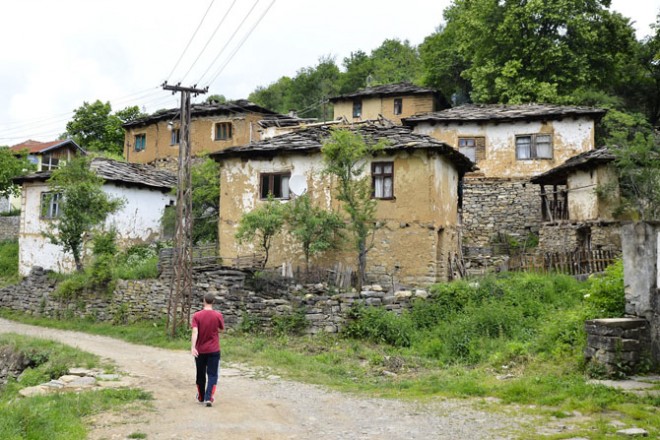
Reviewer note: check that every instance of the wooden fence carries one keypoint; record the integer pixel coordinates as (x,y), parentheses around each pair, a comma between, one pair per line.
(571,263)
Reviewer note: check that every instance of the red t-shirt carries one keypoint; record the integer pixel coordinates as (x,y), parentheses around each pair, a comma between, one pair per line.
(208,323)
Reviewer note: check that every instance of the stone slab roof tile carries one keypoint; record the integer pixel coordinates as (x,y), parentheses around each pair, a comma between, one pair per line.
(385,90)
(586,160)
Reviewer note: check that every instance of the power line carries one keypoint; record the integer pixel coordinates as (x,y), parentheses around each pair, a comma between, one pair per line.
(210,38)
(242,42)
(228,41)
(190,41)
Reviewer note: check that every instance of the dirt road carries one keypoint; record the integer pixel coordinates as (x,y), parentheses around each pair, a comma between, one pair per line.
(249,407)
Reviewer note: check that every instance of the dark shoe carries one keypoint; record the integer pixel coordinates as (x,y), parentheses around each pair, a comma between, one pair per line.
(208,403)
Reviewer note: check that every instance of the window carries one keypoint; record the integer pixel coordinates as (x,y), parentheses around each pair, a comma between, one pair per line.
(222,131)
(474,148)
(275,185)
(175,136)
(49,162)
(382,178)
(534,146)
(357,109)
(398,106)
(50,205)
(140,142)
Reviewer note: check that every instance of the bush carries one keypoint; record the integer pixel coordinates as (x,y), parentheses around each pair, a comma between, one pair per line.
(8,259)
(290,324)
(379,325)
(605,294)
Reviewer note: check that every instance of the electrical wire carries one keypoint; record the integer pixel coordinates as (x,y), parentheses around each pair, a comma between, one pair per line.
(209,40)
(228,41)
(242,42)
(190,41)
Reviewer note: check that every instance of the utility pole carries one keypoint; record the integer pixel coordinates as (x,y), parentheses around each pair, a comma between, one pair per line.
(180,300)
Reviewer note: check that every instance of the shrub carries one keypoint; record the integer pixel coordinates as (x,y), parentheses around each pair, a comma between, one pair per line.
(379,325)
(605,294)
(290,324)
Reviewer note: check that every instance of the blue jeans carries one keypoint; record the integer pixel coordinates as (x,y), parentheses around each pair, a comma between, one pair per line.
(207,365)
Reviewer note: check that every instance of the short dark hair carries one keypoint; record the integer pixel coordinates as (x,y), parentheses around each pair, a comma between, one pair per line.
(209,298)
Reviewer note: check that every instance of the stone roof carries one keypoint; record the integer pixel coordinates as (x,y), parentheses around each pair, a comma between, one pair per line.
(131,174)
(583,161)
(385,90)
(36,147)
(278,120)
(310,140)
(504,113)
(240,106)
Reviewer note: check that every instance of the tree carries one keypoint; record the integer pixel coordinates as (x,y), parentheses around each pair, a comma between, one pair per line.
(205,201)
(216,99)
(345,154)
(11,165)
(94,127)
(83,205)
(358,67)
(262,224)
(514,51)
(316,229)
(394,62)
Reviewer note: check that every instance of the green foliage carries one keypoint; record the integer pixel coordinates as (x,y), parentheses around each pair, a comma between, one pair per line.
(262,224)
(293,323)
(94,127)
(8,260)
(137,262)
(345,154)
(215,99)
(605,295)
(378,325)
(395,61)
(205,201)
(12,166)
(73,286)
(83,206)
(316,229)
(104,250)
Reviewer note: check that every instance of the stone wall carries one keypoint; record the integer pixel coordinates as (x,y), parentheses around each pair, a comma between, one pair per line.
(9,227)
(491,206)
(238,297)
(617,345)
(569,236)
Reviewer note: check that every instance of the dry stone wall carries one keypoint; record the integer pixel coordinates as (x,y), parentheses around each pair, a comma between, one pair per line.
(325,310)
(569,236)
(9,228)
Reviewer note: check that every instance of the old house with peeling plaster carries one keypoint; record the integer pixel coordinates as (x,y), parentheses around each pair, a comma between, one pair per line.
(144,189)
(390,101)
(415,181)
(510,144)
(154,139)
(575,215)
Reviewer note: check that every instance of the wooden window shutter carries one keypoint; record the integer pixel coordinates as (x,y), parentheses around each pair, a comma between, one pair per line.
(480,148)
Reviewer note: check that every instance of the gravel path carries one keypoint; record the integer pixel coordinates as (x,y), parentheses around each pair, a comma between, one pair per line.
(250,407)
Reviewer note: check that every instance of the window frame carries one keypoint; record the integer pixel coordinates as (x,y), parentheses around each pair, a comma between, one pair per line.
(478,146)
(357,108)
(140,142)
(382,175)
(49,205)
(53,162)
(533,146)
(284,194)
(175,136)
(399,107)
(223,131)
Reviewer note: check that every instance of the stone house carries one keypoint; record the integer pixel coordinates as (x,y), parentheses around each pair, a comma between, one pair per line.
(391,101)
(510,144)
(144,189)
(213,127)
(575,216)
(415,181)
(45,156)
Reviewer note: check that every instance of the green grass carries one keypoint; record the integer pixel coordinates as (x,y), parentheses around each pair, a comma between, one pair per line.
(8,263)
(59,415)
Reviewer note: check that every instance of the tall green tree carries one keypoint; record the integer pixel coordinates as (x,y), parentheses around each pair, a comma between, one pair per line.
(261,225)
(514,51)
(316,229)
(395,61)
(205,201)
(94,127)
(358,66)
(83,206)
(346,155)
(11,165)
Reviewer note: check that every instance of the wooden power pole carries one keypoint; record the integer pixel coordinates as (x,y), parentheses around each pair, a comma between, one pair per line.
(180,301)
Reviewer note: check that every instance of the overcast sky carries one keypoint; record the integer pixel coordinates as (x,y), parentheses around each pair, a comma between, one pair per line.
(57,54)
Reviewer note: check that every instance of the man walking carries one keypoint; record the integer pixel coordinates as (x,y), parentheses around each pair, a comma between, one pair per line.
(205,347)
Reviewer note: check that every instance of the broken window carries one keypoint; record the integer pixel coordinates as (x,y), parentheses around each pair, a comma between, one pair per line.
(398,106)
(49,162)
(534,146)
(50,205)
(357,109)
(275,185)
(382,180)
(474,148)
(175,136)
(223,131)
(140,142)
